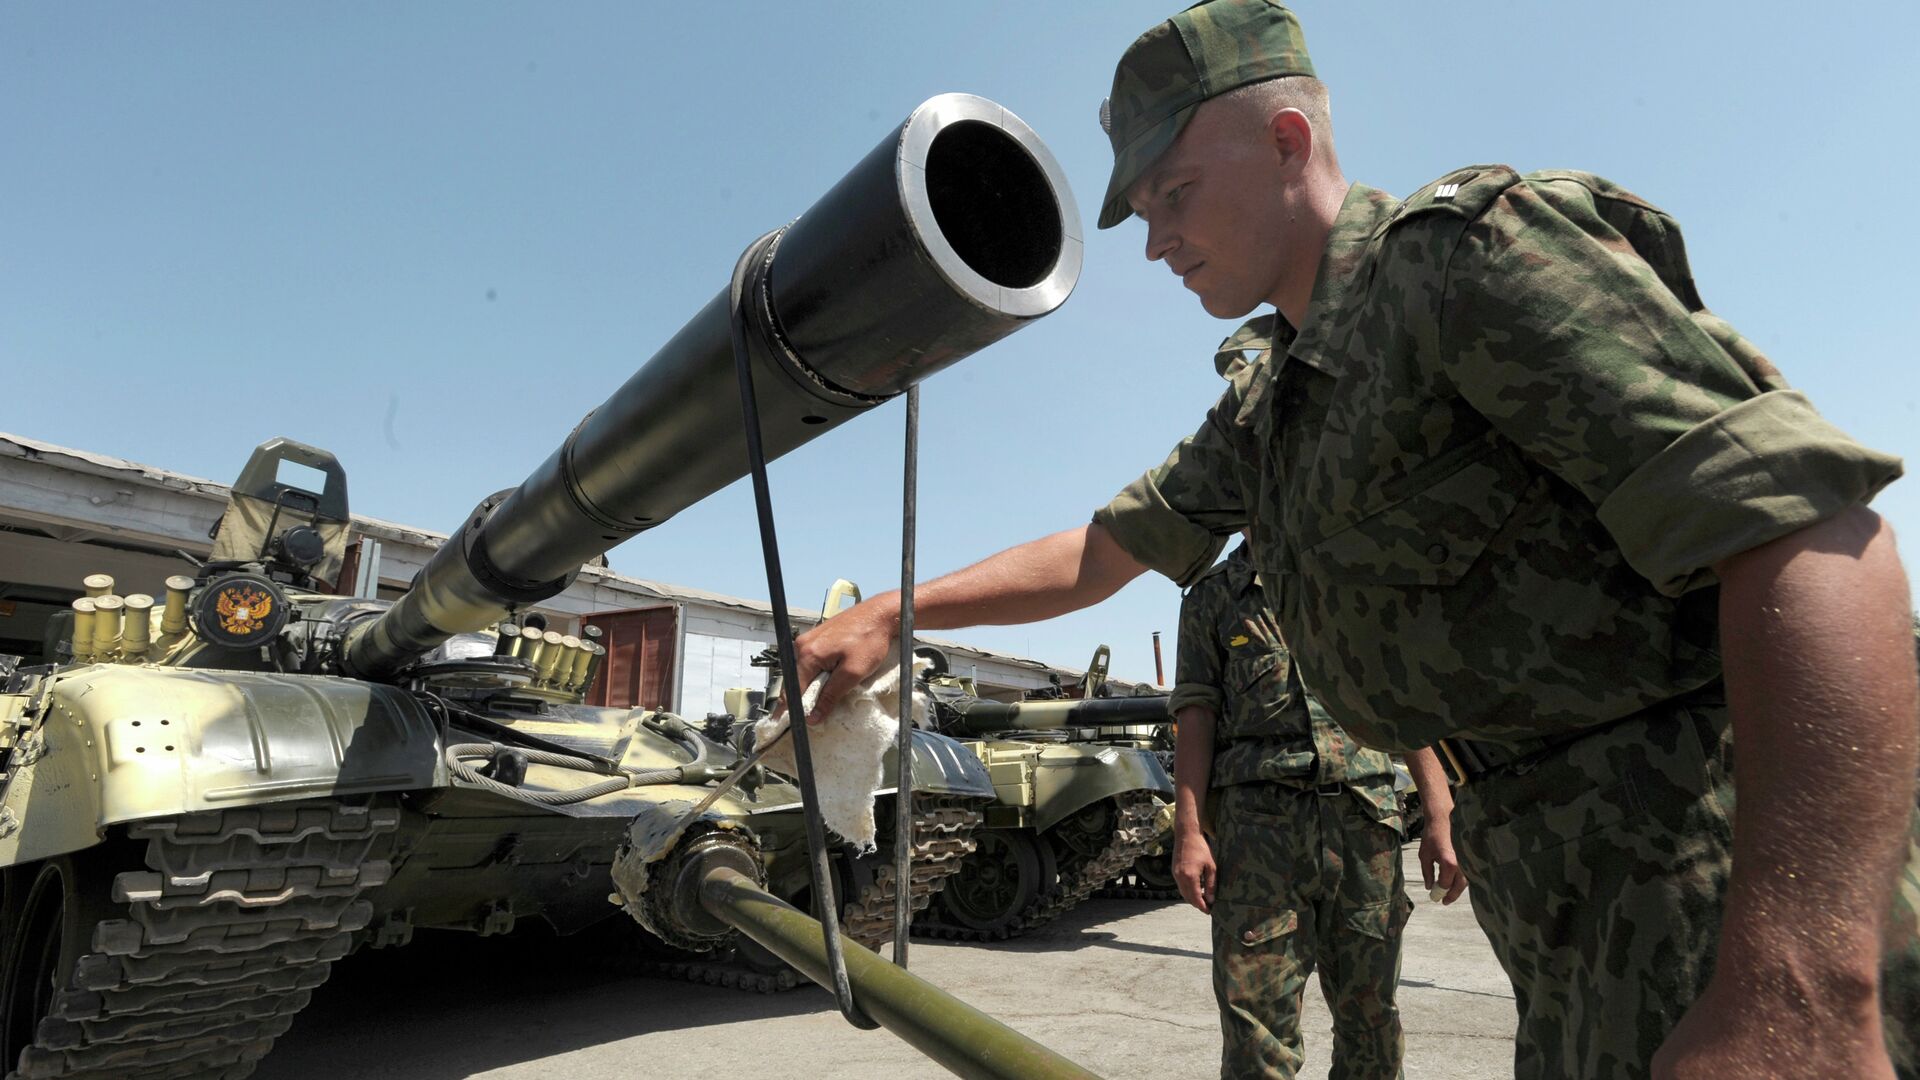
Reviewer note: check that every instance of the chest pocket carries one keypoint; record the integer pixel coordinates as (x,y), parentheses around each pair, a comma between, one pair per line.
(1434,533)
(1258,701)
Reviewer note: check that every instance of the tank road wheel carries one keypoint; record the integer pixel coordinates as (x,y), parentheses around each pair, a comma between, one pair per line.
(1149,878)
(1007,873)
(1082,836)
(1095,845)
(1156,872)
(38,949)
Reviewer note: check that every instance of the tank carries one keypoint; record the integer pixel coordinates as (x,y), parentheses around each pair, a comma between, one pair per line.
(213,796)
(1079,800)
(1151,875)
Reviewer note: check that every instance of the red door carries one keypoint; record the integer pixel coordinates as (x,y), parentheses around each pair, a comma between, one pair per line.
(638,670)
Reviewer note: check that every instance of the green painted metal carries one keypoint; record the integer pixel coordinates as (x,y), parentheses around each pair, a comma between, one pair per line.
(961,1038)
(980,716)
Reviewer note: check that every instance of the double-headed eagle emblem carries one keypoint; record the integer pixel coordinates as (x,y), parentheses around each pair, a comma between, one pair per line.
(243,610)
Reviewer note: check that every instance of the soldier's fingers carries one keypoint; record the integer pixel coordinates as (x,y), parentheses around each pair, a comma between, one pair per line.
(836,687)
(1427,871)
(809,670)
(1455,883)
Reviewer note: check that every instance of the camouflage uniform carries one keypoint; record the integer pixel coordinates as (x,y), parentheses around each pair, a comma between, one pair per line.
(1495,466)
(1306,844)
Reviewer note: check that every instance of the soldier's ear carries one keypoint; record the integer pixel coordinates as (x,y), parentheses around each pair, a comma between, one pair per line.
(1290,134)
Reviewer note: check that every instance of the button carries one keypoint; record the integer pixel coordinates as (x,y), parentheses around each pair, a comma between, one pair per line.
(1248,937)
(1437,554)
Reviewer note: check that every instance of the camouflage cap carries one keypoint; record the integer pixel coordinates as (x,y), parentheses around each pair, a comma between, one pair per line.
(1210,48)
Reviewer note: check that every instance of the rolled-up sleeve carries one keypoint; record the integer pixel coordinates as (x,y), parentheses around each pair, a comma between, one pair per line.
(1763,468)
(1197,671)
(1557,332)
(1175,518)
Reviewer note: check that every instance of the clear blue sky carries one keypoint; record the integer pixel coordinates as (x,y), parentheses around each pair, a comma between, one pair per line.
(430,236)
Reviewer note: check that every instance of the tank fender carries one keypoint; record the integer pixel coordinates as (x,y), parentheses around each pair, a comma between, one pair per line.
(115,744)
(941,766)
(1068,778)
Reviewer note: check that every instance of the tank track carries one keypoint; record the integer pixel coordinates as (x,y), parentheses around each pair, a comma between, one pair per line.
(943,828)
(224,940)
(1134,832)
(942,839)
(1131,886)
(733,975)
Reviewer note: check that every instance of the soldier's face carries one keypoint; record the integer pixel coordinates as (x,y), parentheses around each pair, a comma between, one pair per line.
(1218,207)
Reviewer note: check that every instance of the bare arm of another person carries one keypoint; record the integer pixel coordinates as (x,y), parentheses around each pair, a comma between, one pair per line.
(1439,868)
(1037,580)
(1818,650)
(1193,869)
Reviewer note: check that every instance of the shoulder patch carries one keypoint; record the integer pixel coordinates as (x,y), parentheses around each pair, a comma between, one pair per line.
(1464,193)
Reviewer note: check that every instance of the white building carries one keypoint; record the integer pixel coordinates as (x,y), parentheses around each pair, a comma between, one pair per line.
(67,513)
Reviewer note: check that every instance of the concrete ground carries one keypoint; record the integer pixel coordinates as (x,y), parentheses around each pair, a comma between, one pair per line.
(1122,987)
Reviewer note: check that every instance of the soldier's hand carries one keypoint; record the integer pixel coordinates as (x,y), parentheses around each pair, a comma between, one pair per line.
(1193,870)
(1439,867)
(852,645)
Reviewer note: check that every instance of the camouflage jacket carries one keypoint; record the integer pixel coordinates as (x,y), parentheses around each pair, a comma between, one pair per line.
(1496,464)
(1267,726)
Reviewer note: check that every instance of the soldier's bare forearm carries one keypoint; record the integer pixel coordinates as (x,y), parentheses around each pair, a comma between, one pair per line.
(1194,870)
(1430,779)
(1817,644)
(1037,580)
(1070,570)
(1192,770)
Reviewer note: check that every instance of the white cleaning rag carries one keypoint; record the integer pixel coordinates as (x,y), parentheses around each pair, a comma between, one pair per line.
(849,748)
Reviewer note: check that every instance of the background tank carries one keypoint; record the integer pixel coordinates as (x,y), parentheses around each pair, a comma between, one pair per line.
(1151,875)
(214,796)
(1071,812)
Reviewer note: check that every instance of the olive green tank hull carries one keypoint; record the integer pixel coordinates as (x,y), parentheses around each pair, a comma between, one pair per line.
(1067,819)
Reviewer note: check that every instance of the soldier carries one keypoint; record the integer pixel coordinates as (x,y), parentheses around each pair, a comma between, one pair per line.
(1538,507)
(1304,868)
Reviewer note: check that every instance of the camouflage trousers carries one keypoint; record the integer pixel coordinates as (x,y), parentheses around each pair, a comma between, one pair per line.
(1305,882)
(1598,871)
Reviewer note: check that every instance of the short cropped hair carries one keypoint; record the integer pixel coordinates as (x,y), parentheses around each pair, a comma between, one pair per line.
(1262,99)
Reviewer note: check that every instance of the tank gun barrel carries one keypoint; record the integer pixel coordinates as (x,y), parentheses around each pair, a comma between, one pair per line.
(953,232)
(960,1037)
(978,716)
